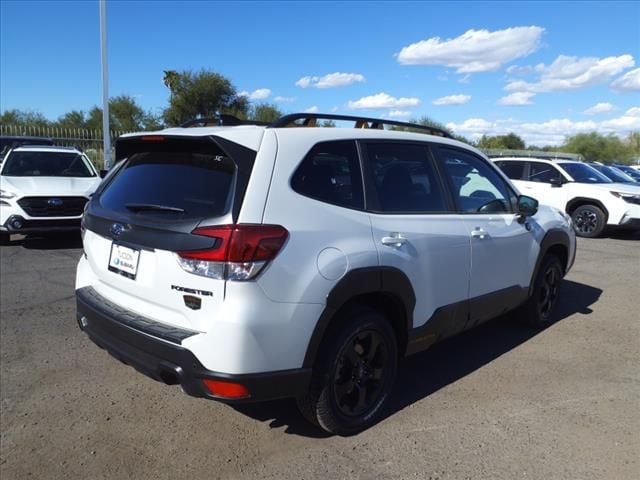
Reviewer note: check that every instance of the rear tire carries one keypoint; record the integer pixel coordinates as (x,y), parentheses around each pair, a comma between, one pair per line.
(354,374)
(589,221)
(538,311)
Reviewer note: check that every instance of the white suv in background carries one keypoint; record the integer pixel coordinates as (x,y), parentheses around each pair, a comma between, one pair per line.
(44,189)
(248,262)
(592,199)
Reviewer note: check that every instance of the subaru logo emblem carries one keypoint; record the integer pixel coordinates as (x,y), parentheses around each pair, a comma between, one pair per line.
(117,229)
(54,202)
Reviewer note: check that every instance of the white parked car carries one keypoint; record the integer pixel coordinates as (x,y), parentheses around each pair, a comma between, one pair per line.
(248,263)
(44,189)
(592,199)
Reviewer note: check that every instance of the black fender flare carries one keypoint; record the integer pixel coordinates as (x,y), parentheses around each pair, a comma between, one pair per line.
(586,200)
(553,237)
(384,280)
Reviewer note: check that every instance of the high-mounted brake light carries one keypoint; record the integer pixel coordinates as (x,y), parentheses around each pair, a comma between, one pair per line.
(153,138)
(240,251)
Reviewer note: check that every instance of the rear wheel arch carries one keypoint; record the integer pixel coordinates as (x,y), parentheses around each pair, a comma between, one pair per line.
(384,289)
(556,242)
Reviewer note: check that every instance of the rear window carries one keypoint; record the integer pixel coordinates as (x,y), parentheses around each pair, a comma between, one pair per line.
(513,170)
(331,173)
(184,184)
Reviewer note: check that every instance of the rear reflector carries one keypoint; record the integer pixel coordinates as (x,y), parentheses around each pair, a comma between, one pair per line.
(222,389)
(240,251)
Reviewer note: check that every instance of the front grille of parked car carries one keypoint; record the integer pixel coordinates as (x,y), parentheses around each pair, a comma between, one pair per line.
(53,206)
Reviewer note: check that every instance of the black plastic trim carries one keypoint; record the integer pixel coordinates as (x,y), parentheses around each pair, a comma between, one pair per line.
(586,201)
(171,363)
(452,319)
(379,280)
(553,237)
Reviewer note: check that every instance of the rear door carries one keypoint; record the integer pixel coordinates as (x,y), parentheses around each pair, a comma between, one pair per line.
(416,230)
(146,211)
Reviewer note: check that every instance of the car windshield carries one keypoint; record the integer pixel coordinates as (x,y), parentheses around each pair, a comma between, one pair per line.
(583,173)
(614,174)
(46,164)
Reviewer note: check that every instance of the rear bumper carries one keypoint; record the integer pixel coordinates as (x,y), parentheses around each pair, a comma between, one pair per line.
(157,353)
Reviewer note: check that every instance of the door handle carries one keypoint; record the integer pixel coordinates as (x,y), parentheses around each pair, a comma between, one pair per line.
(395,240)
(479,233)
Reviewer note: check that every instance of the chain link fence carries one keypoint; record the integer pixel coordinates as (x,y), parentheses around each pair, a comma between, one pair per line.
(88,140)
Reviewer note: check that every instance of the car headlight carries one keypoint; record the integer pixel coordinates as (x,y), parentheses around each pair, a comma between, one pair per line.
(6,194)
(627,197)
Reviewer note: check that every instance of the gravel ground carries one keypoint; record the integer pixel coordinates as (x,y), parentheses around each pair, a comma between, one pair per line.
(499,402)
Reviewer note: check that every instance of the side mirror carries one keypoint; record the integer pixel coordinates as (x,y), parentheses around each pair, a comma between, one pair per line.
(556,182)
(103,173)
(527,207)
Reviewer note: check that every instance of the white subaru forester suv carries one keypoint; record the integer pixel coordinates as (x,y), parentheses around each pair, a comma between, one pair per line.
(592,199)
(44,189)
(252,262)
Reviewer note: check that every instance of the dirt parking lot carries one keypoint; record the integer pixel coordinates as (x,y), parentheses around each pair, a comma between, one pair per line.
(500,402)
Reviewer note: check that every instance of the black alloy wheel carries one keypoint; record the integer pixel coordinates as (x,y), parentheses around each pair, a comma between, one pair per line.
(588,221)
(359,376)
(354,373)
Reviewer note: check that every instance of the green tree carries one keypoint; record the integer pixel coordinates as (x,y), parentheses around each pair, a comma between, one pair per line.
(596,147)
(23,119)
(201,94)
(72,119)
(508,142)
(125,115)
(264,112)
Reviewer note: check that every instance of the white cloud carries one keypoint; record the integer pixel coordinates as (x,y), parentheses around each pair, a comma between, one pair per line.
(383,100)
(313,109)
(280,99)
(330,80)
(572,73)
(517,98)
(550,132)
(452,100)
(259,94)
(334,109)
(465,79)
(633,112)
(629,82)
(399,113)
(475,50)
(602,107)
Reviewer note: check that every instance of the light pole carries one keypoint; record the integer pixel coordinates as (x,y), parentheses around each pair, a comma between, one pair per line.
(106,137)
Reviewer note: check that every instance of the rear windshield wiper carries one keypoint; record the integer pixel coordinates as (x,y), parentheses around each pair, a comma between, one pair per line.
(139,207)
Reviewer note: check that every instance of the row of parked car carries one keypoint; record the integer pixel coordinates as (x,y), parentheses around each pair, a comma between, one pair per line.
(44,188)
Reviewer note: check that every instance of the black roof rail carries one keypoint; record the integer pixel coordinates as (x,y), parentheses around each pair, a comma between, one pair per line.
(222,120)
(309,120)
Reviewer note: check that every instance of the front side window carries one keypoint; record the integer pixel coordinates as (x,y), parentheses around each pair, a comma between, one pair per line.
(404,178)
(46,164)
(477,187)
(331,173)
(543,172)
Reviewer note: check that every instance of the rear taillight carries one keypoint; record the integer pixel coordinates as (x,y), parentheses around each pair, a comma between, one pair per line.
(240,251)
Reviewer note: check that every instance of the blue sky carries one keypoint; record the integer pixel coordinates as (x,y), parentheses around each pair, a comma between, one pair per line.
(540,69)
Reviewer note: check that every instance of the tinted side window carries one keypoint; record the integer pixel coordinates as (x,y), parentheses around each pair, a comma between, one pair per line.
(477,187)
(513,170)
(542,172)
(404,178)
(331,173)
